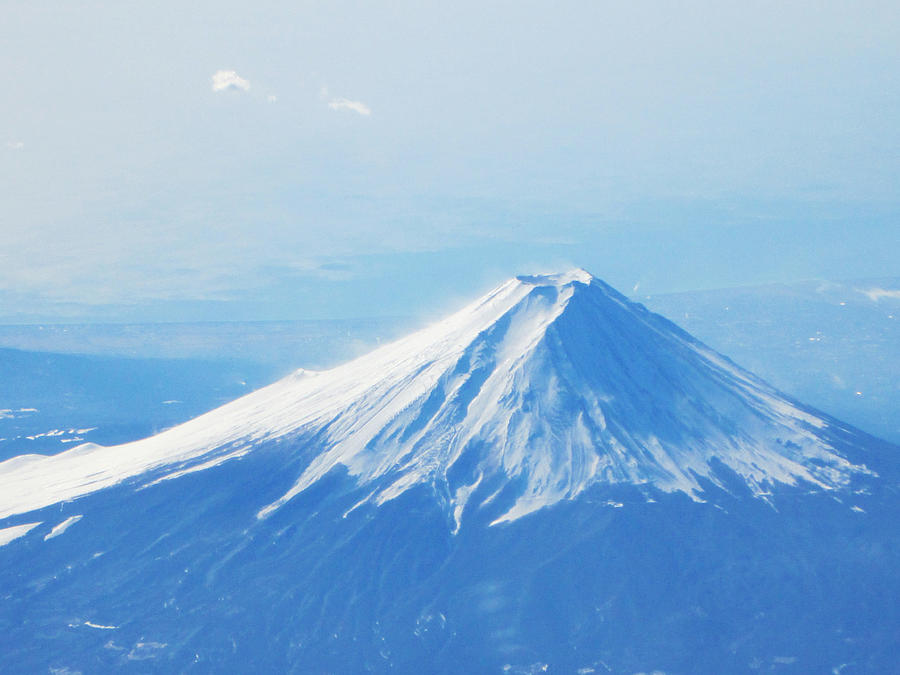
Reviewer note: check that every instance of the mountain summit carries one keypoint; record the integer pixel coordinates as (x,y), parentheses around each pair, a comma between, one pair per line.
(545,386)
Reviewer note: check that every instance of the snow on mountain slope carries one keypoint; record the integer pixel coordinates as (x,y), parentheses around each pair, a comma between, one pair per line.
(545,386)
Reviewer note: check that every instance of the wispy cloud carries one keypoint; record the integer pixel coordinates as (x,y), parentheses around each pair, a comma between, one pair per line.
(876,294)
(229,80)
(15,145)
(346,104)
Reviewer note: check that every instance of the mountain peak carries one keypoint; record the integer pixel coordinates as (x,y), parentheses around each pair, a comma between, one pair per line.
(551,384)
(574,275)
(546,386)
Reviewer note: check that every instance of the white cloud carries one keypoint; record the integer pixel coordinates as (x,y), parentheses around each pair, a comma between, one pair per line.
(229,80)
(272,98)
(15,145)
(346,104)
(876,294)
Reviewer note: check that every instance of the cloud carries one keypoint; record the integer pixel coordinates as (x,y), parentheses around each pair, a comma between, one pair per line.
(272,98)
(229,80)
(346,104)
(876,294)
(15,145)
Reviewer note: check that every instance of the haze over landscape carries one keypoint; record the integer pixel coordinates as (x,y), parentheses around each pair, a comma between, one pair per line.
(345,159)
(410,337)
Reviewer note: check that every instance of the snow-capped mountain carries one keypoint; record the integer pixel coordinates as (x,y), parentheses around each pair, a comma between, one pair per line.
(543,387)
(551,479)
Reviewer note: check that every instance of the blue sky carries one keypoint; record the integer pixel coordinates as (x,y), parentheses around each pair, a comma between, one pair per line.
(337,159)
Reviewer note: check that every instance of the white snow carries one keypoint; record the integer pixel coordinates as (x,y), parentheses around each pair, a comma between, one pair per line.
(202,466)
(52,432)
(98,626)
(10,413)
(9,534)
(555,382)
(62,527)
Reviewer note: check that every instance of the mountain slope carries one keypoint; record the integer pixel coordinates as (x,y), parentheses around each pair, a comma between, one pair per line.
(551,480)
(545,386)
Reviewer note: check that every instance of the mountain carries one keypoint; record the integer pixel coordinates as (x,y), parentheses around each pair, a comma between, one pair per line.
(551,479)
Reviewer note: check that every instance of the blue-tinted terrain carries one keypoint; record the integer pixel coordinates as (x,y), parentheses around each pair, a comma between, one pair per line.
(51,402)
(768,543)
(835,346)
(821,342)
(65,384)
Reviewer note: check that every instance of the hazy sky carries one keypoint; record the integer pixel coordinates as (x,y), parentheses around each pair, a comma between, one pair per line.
(235,160)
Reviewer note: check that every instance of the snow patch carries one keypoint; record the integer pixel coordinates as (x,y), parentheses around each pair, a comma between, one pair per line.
(62,527)
(11,413)
(99,626)
(143,651)
(202,466)
(9,534)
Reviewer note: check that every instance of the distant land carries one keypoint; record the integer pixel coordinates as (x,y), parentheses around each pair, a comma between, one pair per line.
(832,345)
